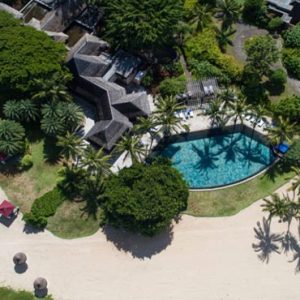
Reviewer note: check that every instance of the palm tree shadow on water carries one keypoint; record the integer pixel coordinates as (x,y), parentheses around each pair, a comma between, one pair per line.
(279,243)
(206,157)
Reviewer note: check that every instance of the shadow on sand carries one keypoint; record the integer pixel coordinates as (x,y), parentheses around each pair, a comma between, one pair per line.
(137,245)
(280,243)
(29,229)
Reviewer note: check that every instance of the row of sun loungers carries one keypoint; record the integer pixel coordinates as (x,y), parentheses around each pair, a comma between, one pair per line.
(259,122)
(185,114)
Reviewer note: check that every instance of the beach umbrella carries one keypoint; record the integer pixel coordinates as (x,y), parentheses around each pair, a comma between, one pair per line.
(40,284)
(19,258)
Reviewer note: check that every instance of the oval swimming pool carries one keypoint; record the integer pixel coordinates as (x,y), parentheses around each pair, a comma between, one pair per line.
(218,160)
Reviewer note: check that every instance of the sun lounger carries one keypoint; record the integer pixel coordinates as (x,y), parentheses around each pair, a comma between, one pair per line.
(260,123)
(248,117)
(181,116)
(191,113)
(186,114)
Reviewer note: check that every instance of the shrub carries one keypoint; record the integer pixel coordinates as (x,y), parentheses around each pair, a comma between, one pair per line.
(292,37)
(289,108)
(292,157)
(275,23)
(277,81)
(255,11)
(204,47)
(46,205)
(26,162)
(148,79)
(34,220)
(291,61)
(172,86)
(145,198)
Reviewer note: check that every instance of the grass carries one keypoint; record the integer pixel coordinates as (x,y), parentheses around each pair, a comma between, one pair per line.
(70,221)
(7,293)
(22,188)
(229,201)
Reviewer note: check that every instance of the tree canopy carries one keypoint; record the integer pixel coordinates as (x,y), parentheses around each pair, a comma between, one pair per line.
(145,198)
(289,108)
(292,37)
(142,24)
(26,55)
(292,157)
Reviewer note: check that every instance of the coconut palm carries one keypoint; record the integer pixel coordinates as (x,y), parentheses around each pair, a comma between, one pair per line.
(278,207)
(132,146)
(227,98)
(230,11)
(52,123)
(71,145)
(283,131)
(147,125)
(201,17)
(215,113)
(12,136)
(166,117)
(239,108)
(22,110)
(224,37)
(96,161)
(71,114)
(53,89)
(296,182)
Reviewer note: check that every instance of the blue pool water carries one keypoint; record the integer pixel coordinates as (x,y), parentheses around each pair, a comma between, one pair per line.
(218,160)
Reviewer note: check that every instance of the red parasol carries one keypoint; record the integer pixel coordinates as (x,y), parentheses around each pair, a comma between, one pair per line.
(6,208)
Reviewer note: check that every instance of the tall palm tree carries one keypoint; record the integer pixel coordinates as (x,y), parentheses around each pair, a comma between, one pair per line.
(230,11)
(53,89)
(147,125)
(71,145)
(224,37)
(296,182)
(96,161)
(201,17)
(133,147)
(239,108)
(283,131)
(166,117)
(215,112)
(277,207)
(227,98)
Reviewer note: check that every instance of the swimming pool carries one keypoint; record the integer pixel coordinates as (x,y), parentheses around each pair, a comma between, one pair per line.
(218,160)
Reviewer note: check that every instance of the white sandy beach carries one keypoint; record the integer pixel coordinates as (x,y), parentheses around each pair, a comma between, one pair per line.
(207,258)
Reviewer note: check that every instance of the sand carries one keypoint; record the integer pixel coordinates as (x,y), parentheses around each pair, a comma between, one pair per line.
(202,258)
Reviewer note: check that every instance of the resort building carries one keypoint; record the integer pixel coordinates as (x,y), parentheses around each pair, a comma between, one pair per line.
(95,75)
(288,10)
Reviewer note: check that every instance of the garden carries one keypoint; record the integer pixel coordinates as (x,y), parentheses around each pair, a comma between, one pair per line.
(64,185)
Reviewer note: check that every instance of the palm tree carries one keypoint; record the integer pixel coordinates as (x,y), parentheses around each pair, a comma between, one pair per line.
(259,113)
(96,162)
(71,145)
(12,136)
(51,122)
(277,207)
(201,17)
(283,131)
(166,117)
(71,114)
(296,182)
(230,11)
(132,146)
(239,108)
(147,125)
(215,112)
(53,89)
(227,98)
(224,37)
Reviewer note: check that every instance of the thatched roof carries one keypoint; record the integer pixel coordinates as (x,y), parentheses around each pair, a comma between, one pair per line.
(19,258)
(40,283)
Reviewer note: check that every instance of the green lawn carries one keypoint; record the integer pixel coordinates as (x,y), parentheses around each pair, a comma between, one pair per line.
(229,201)
(70,221)
(10,294)
(23,188)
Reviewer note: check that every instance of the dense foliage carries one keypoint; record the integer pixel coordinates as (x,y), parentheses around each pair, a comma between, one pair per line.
(145,198)
(142,24)
(12,136)
(7,293)
(292,157)
(204,47)
(254,11)
(26,54)
(44,207)
(289,108)
(292,37)
(172,86)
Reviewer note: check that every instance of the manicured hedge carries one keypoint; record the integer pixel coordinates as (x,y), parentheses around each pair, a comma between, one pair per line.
(44,207)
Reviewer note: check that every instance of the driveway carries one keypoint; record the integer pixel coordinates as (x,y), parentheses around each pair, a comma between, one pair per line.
(201,258)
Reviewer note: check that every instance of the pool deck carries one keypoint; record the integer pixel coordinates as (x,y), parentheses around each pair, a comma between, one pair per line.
(197,123)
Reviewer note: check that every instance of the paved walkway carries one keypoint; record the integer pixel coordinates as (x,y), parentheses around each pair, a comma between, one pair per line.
(201,258)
